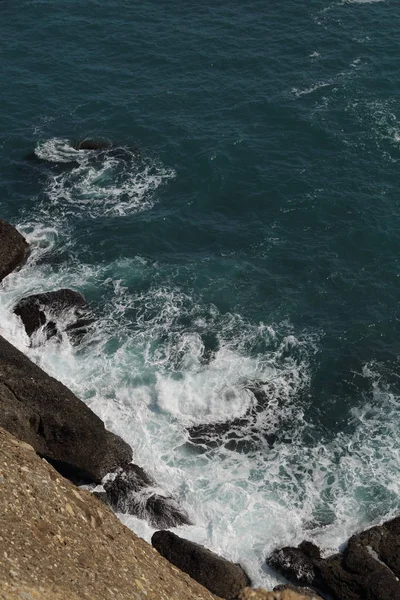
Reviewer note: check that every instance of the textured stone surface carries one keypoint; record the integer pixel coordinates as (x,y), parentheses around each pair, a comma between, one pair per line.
(14,249)
(133,491)
(367,569)
(58,542)
(48,308)
(43,412)
(217,574)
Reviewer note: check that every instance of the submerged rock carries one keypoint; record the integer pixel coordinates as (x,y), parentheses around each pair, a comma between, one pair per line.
(368,568)
(14,249)
(132,491)
(89,144)
(221,577)
(44,413)
(47,310)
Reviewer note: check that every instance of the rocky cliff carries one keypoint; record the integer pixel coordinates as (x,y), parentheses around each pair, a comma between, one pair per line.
(61,543)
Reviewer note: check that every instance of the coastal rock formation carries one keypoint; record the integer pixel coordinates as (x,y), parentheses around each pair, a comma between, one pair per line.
(303,591)
(14,249)
(58,542)
(43,412)
(368,568)
(283,594)
(48,309)
(132,491)
(221,577)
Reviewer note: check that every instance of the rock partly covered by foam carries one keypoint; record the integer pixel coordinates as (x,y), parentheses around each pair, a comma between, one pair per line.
(368,568)
(14,249)
(132,491)
(43,412)
(58,542)
(286,593)
(221,577)
(54,311)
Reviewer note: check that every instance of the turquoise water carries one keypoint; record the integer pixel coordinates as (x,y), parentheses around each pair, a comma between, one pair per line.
(245,233)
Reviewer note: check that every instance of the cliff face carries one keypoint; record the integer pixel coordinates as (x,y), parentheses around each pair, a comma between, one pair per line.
(61,543)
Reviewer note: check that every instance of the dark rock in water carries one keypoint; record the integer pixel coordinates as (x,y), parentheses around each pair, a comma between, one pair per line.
(296,564)
(218,575)
(88,144)
(128,480)
(42,412)
(303,591)
(368,568)
(14,249)
(164,512)
(46,310)
(132,492)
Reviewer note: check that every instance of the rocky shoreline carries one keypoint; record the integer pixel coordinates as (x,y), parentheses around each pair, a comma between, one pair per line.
(60,437)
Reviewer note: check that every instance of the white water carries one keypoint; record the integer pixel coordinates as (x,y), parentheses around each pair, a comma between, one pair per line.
(142,372)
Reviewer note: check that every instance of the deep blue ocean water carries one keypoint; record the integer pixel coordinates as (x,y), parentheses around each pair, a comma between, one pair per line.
(244,234)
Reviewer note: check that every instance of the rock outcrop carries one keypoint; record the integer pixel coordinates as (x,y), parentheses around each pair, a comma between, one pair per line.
(132,491)
(368,568)
(14,249)
(221,577)
(58,542)
(41,411)
(50,309)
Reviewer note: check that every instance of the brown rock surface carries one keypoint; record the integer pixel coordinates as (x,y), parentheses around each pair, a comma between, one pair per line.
(14,249)
(58,542)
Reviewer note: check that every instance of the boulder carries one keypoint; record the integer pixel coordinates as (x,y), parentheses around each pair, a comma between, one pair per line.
(221,577)
(368,568)
(297,564)
(49,309)
(14,249)
(132,491)
(42,412)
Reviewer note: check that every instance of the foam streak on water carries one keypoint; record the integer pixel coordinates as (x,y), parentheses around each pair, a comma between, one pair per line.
(113,182)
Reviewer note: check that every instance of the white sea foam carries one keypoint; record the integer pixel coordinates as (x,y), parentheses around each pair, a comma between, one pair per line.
(144,371)
(310,90)
(114,181)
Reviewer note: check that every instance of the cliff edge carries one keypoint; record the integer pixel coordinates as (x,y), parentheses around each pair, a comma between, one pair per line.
(59,542)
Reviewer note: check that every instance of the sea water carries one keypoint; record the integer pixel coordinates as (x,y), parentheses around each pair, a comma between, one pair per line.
(242,236)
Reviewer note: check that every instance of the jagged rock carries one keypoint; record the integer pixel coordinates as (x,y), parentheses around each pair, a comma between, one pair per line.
(304,592)
(47,310)
(296,564)
(14,249)
(221,577)
(131,491)
(58,542)
(368,568)
(44,413)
